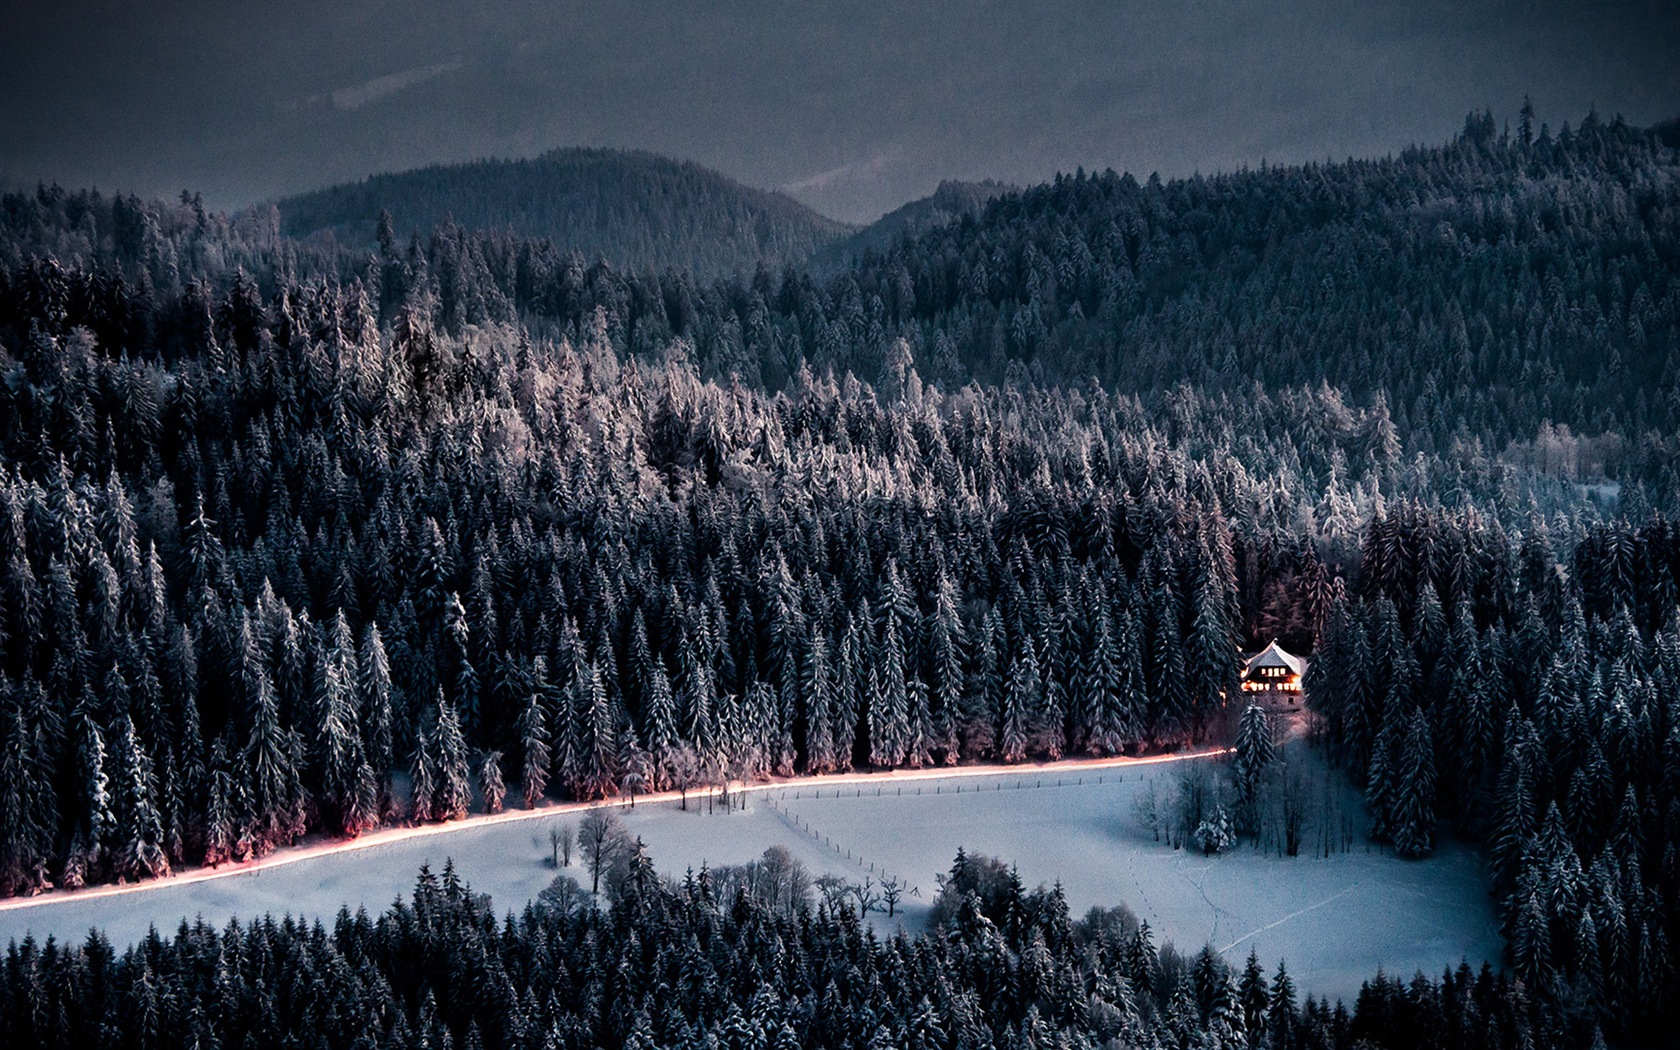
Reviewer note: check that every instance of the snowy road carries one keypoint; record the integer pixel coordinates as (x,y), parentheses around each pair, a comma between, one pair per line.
(1334,917)
(393,835)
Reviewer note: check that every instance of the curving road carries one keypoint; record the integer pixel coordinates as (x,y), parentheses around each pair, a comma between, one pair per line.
(388,835)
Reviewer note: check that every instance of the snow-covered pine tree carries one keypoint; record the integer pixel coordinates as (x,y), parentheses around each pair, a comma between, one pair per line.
(533,736)
(597,767)
(221,835)
(1212,659)
(1131,691)
(378,716)
(266,761)
(140,852)
(454,793)
(490,784)
(1020,697)
(343,791)
(851,678)
(1170,709)
(27,809)
(461,674)
(888,712)
(1099,686)
(1381,776)
(945,647)
(423,780)
(659,728)
(1251,758)
(1413,821)
(818,692)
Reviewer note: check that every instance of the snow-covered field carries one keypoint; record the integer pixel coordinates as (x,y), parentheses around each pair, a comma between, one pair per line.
(1334,920)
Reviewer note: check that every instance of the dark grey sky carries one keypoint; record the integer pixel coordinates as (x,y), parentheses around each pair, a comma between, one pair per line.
(851,107)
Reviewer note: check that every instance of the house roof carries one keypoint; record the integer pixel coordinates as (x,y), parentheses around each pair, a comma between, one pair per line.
(1274,656)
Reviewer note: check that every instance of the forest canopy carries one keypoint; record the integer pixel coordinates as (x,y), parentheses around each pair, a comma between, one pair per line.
(292,524)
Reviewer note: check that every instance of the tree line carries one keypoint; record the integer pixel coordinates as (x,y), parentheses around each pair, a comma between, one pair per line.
(677,963)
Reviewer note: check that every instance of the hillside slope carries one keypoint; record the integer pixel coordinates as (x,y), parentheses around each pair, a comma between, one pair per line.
(635,209)
(951,201)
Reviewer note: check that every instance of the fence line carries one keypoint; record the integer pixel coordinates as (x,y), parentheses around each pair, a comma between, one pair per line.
(957,789)
(803,826)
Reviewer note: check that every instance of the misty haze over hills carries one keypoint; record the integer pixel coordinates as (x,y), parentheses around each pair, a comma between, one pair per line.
(852,108)
(634,209)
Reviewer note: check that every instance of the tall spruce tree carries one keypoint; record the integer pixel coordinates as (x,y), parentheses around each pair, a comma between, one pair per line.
(1413,821)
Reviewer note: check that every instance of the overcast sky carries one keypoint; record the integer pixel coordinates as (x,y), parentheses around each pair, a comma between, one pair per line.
(853,108)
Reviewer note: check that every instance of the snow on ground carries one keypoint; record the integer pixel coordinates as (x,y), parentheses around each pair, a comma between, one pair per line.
(1335,920)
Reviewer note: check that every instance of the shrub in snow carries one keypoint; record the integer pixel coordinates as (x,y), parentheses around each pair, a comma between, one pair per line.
(1214,834)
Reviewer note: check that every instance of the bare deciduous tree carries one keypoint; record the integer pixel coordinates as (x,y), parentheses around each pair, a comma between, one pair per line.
(891,892)
(560,842)
(835,892)
(683,769)
(598,837)
(866,896)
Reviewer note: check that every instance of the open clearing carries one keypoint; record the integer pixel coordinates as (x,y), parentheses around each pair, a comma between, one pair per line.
(1335,920)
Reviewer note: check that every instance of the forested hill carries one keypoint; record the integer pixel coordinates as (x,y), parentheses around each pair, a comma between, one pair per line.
(284,525)
(1496,281)
(950,202)
(635,209)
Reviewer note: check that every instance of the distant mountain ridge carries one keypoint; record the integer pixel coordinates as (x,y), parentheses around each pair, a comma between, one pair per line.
(636,209)
(953,200)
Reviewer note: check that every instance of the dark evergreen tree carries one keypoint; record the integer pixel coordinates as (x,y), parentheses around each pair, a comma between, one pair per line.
(1413,807)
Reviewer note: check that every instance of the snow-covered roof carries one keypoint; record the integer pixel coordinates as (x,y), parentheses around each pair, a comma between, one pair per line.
(1274,656)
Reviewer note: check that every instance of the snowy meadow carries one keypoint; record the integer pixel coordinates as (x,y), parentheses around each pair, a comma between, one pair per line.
(1335,919)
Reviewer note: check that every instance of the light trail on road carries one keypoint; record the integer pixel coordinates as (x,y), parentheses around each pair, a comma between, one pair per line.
(389,835)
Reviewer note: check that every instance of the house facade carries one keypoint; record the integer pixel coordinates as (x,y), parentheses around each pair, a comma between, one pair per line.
(1273,677)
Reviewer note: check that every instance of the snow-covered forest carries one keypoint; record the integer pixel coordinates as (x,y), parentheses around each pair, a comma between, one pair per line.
(299,537)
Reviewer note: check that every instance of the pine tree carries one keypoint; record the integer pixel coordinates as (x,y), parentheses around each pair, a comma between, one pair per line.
(453,791)
(423,782)
(378,715)
(919,739)
(533,736)
(348,792)
(490,785)
(1100,686)
(1531,949)
(1281,1015)
(268,771)
(1253,995)
(1414,791)
(1049,719)
(1171,711)
(659,726)
(140,853)
(221,832)
(1387,755)
(26,814)
(464,676)
(985,693)
(1213,652)
(819,733)
(597,770)
(1515,819)
(945,655)
(888,711)
(1020,698)
(98,834)
(1252,757)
